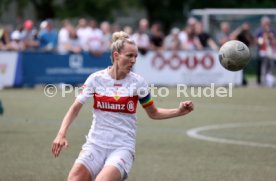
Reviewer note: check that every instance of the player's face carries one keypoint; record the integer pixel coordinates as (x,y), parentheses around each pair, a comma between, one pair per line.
(127,58)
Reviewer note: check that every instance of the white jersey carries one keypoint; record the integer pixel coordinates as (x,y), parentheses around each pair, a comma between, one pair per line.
(115,102)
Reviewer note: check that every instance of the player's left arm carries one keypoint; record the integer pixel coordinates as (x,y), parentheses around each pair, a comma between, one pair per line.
(163,113)
(155,112)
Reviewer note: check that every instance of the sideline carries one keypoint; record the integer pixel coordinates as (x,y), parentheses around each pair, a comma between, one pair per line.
(196,133)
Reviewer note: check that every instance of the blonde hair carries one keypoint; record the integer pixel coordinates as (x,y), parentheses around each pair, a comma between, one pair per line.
(118,41)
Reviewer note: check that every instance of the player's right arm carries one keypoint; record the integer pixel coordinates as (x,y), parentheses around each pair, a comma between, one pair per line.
(60,141)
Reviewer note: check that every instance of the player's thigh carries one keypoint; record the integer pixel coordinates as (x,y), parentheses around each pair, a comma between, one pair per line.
(79,173)
(91,158)
(109,173)
(119,160)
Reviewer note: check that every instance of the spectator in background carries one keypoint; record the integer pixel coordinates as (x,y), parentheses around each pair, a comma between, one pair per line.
(48,37)
(156,36)
(265,36)
(172,41)
(4,37)
(63,36)
(128,30)
(224,34)
(16,43)
(190,23)
(107,35)
(192,41)
(188,38)
(42,27)
(205,39)
(29,35)
(115,27)
(95,39)
(72,45)
(141,37)
(83,31)
(243,34)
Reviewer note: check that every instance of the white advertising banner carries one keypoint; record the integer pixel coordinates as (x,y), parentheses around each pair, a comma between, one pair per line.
(8,63)
(185,67)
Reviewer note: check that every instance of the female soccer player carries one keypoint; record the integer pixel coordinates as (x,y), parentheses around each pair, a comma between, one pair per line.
(110,144)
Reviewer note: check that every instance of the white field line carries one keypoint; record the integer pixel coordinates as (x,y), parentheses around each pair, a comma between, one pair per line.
(195,133)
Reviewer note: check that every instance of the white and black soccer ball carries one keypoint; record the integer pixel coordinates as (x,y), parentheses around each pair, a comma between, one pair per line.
(234,55)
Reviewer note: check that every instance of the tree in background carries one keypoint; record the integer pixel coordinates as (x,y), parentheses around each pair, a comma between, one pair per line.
(44,8)
(98,9)
(174,12)
(168,12)
(165,11)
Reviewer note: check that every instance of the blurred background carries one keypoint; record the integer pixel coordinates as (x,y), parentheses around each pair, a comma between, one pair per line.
(84,28)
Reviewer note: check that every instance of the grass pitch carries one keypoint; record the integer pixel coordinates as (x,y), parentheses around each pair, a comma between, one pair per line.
(164,151)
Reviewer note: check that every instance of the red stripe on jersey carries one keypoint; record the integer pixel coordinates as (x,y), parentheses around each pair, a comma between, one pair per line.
(112,104)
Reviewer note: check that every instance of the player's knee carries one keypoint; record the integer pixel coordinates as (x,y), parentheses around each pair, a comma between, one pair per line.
(73,176)
(79,173)
(109,174)
(108,178)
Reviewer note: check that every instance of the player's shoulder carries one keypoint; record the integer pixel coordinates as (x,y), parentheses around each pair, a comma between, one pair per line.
(136,77)
(96,75)
(99,73)
(140,80)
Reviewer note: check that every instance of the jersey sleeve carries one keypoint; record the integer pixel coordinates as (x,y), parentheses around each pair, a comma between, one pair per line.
(87,90)
(144,95)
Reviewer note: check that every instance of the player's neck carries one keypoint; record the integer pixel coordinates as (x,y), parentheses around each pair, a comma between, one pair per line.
(115,73)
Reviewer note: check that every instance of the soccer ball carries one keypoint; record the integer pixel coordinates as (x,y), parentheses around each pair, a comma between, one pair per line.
(234,55)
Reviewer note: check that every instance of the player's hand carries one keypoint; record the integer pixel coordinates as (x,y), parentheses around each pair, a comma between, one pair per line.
(58,143)
(186,107)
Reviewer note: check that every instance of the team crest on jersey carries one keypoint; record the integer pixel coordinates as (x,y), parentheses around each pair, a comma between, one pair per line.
(116,97)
